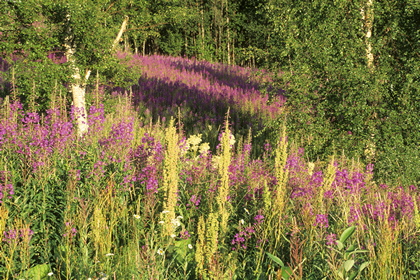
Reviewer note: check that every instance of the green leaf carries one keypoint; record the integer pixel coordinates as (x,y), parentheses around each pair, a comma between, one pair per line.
(350,249)
(348,264)
(275,259)
(363,266)
(358,251)
(353,275)
(181,250)
(37,272)
(286,272)
(347,233)
(340,245)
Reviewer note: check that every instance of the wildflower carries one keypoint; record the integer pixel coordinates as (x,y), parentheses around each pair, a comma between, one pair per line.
(204,148)
(161,222)
(165,211)
(176,223)
(160,251)
(194,140)
(232,139)
(331,239)
(259,218)
(109,254)
(184,234)
(215,161)
(246,210)
(173,235)
(50,274)
(190,246)
(311,167)
(354,215)
(241,221)
(195,199)
(321,221)
(136,216)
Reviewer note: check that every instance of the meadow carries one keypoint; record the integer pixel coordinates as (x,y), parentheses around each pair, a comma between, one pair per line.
(175,180)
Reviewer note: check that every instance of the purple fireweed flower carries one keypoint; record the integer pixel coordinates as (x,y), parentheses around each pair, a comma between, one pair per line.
(259,218)
(351,183)
(369,168)
(96,117)
(402,204)
(195,199)
(120,136)
(19,235)
(31,118)
(6,191)
(383,186)
(354,215)
(70,231)
(25,233)
(184,234)
(380,210)
(413,188)
(147,159)
(241,238)
(329,194)
(10,235)
(267,148)
(196,86)
(322,221)
(6,188)
(331,239)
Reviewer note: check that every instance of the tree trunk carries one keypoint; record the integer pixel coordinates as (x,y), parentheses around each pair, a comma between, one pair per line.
(78,84)
(122,30)
(78,90)
(202,31)
(228,35)
(367,16)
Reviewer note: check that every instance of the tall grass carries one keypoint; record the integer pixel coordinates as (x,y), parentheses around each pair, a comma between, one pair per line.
(143,198)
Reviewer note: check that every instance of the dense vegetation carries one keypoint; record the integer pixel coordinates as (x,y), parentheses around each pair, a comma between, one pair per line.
(350,69)
(171,160)
(139,198)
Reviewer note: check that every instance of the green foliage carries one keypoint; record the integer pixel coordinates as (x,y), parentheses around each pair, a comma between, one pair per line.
(38,272)
(339,102)
(347,269)
(37,29)
(286,271)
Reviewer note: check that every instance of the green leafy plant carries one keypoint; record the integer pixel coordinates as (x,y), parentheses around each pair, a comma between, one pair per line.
(285,271)
(346,268)
(38,272)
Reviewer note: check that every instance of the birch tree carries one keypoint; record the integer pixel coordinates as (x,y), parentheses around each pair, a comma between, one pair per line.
(87,31)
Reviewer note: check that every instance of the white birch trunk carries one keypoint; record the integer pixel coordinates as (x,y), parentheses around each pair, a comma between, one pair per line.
(77,86)
(202,33)
(78,90)
(78,83)
(367,16)
(122,30)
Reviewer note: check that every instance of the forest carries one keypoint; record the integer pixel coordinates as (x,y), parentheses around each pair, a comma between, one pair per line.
(209,139)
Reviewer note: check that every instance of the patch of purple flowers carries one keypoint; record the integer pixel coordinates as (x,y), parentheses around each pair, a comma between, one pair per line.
(241,238)
(321,221)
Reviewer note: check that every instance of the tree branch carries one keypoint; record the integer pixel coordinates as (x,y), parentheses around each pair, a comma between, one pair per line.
(122,30)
